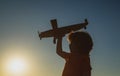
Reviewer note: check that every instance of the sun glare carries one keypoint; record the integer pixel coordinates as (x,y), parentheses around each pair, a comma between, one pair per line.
(18,62)
(16,66)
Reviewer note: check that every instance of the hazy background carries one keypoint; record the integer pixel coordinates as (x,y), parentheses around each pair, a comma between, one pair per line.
(21,19)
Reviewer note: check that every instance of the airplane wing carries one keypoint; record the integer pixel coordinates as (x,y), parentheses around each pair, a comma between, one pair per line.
(54,24)
(49,33)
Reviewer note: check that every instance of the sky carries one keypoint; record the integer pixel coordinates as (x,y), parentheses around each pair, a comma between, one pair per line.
(21,19)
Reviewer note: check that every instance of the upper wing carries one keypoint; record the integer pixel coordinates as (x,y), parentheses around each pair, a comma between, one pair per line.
(54,24)
(49,33)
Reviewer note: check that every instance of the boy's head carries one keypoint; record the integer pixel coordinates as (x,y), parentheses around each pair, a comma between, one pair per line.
(80,42)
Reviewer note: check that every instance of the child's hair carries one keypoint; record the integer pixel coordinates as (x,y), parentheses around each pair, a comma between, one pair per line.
(81,41)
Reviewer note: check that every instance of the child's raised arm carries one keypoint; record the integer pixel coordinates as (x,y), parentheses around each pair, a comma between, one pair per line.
(59,50)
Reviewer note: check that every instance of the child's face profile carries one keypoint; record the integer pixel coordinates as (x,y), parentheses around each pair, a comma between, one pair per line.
(73,48)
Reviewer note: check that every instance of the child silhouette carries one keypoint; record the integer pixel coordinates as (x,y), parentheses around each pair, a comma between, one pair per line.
(78,60)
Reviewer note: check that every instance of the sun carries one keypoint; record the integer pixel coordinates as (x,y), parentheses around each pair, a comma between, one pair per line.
(16,65)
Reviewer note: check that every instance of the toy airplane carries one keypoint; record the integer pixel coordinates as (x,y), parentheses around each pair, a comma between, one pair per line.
(62,30)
